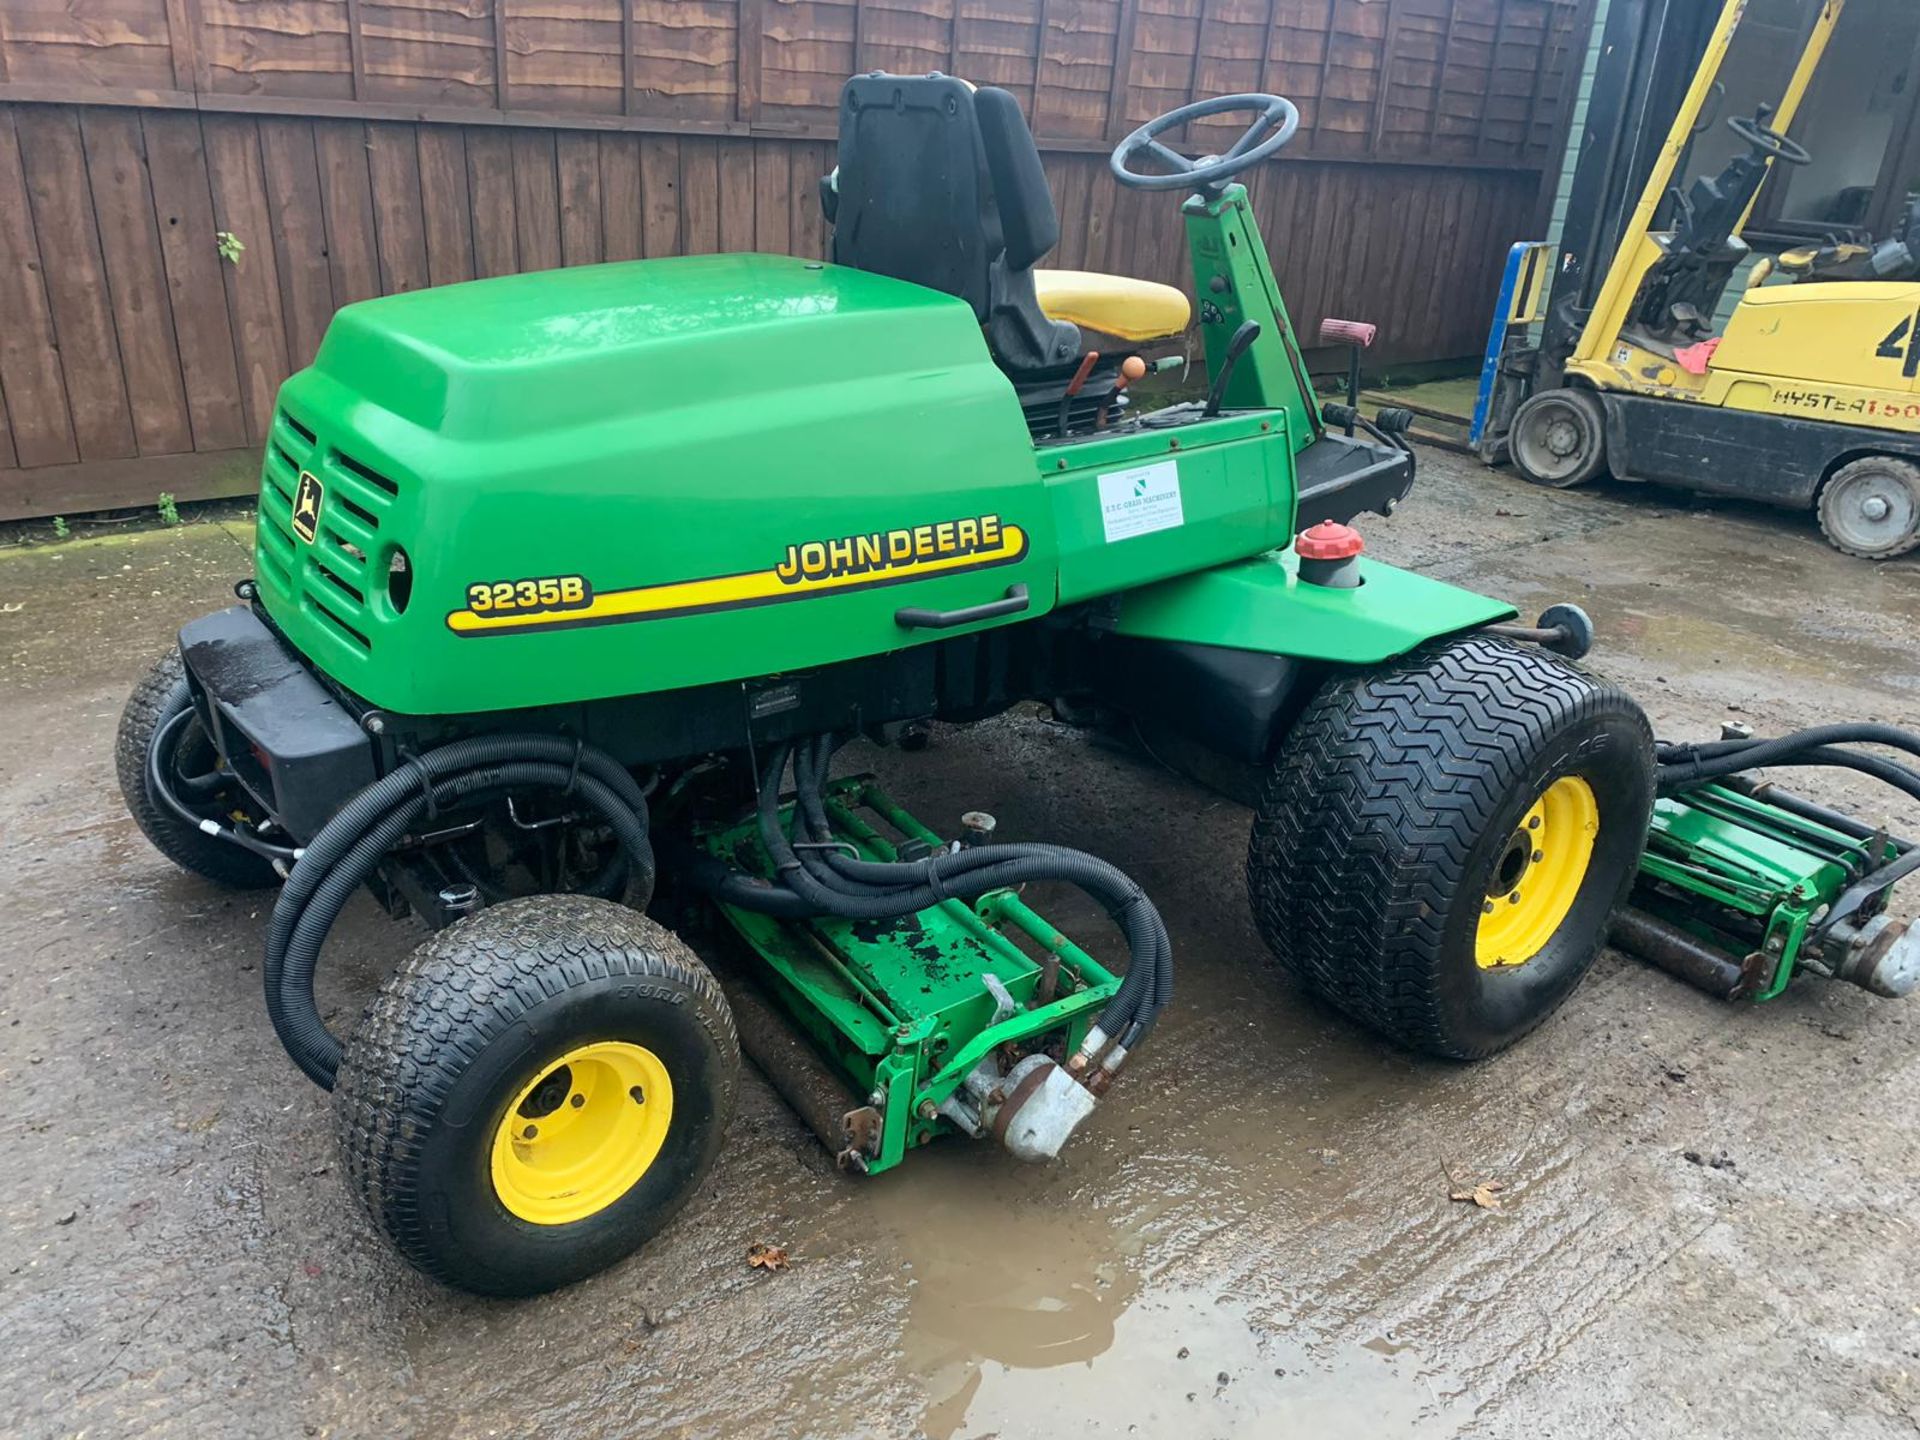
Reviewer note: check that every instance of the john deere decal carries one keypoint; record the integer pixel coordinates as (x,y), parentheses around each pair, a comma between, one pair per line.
(306,506)
(832,565)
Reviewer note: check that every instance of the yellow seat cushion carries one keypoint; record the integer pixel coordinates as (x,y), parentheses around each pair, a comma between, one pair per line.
(1131,309)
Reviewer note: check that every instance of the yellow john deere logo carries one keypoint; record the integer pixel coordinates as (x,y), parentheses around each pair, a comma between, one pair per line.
(805,568)
(306,506)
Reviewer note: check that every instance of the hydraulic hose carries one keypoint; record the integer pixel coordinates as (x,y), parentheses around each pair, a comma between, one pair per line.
(175,711)
(348,849)
(815,877)
(1683,766)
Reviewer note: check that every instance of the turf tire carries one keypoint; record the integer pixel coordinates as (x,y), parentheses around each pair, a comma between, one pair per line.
(217,860)
(1386,810)
(464,1024)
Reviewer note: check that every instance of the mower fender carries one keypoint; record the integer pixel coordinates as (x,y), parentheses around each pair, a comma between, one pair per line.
(1262,605)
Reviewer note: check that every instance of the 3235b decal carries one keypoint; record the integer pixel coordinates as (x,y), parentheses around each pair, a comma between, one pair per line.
(529,597)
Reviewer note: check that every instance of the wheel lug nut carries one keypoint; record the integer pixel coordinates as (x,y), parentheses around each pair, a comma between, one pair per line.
(530,1132)
(1533,822)
(577,1101)
(1514,898)
(1487,909)
(639,1095)
(1538,856)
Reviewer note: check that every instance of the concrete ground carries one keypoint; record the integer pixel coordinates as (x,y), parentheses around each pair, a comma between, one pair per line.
(1711,1210)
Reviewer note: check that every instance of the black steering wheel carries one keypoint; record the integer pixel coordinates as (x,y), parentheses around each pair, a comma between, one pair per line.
(1768,141)
(1210,171)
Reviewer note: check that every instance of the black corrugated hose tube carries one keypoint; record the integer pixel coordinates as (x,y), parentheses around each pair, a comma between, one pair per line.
(1683,766)
(344,855)
(817,877)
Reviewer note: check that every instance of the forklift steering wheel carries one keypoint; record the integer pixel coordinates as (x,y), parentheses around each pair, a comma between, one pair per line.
(1768,141)
(1209,172)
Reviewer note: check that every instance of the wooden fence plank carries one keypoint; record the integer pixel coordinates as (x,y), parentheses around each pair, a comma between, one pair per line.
(197,292)
(130,244)
(620,202)
(699,196)
(346,199)
(400,226)
(582,240)
(64,223)
(496,249)
(660,195)
(809,163)
(30,381)
(736,196)
(772,197)
(253,284)
(121,484)
(291,165)
(445,208)
(536,200)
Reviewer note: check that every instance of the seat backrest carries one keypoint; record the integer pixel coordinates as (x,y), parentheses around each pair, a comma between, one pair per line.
(937,182)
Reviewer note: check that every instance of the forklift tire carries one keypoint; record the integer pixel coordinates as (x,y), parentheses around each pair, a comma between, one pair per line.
(213,859)
(1442,840)
(535,1093)
(1870,508)
(1559,438)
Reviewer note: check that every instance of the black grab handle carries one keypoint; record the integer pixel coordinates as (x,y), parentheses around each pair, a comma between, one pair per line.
(912,617)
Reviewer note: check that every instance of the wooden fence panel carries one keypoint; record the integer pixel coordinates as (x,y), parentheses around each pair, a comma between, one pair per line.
(62,212)
(363,147)
(41,429)
(240,207)
(130,242)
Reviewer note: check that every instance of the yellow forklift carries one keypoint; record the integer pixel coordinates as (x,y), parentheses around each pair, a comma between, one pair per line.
(1807,396)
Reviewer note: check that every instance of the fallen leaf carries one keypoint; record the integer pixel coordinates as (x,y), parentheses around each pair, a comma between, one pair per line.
(761,1256)
(1486,1194)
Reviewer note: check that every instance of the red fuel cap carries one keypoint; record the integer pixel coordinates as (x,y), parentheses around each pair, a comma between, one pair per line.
(1328,541)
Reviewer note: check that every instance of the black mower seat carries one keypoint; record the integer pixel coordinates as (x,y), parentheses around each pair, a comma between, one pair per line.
(940,184)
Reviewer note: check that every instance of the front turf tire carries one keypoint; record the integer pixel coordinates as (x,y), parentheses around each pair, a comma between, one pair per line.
(205,855)
(1388,823)
(451,1065)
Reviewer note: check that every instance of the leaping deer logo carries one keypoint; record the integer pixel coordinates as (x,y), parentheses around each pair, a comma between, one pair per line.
(306,506)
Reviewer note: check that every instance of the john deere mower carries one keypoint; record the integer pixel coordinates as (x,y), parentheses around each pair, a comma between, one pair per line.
(570,587)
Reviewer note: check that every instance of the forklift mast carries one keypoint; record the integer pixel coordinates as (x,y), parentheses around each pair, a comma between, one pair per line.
(1649,54)
(1656,86)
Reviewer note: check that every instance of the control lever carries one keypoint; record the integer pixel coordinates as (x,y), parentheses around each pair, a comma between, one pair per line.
(1356,335)
(1248,332)
(1087,362)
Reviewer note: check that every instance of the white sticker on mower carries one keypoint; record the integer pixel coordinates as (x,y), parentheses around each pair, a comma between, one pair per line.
(1141,500)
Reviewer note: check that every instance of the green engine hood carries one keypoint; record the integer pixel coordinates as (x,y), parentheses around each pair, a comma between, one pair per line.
(610,480)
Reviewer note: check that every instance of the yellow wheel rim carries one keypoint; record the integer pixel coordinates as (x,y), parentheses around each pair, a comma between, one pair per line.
(582,1132)
(1538,875)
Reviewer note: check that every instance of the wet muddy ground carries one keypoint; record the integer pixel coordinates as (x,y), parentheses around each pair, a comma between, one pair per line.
(1711,1217)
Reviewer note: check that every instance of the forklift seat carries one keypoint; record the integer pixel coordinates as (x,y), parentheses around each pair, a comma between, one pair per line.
(940,184)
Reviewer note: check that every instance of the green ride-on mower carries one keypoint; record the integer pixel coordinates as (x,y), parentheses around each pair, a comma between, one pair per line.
(569,586)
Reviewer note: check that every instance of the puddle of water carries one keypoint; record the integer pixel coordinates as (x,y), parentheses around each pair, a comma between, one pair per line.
(1033,1309)
(1184,1363)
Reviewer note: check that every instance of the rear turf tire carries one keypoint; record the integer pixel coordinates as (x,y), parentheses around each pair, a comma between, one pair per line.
(451,1064)
(217,860)
(1385,825)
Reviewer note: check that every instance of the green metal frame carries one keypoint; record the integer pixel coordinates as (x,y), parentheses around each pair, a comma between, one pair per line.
(901,1010)
(1725,854)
